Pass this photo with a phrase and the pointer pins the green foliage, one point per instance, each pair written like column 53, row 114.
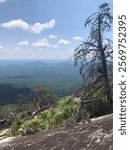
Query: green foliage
column 97, row 104
column 98, row 107
column 16, row 124
column 5, row 110
column 47, row 119
column 22, row 76
column 43, row 97
column 29, row 127
column 67, row 106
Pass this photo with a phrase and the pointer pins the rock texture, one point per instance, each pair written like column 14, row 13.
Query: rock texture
column 98, row 135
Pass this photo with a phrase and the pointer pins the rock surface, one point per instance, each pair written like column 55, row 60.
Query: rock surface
column 98, row 135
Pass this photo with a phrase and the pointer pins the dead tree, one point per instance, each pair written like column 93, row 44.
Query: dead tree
column 94, row 56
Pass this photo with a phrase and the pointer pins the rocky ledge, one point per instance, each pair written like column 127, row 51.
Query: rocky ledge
column 98, row 135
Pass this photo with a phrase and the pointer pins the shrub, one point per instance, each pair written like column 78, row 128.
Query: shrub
column 16, row 124
column 29, row 127
column 46, row 119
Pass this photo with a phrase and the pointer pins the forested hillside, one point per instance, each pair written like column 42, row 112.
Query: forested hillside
column 20, row 77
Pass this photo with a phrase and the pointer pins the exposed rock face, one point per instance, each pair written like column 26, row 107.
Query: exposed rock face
column 97, row 135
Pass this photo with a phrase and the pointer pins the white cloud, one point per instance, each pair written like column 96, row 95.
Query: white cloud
column 55, row 46
column 38, row 28
column 39, row 53
column 23, row 43
column 16, row 24
column 17, row 48
column 63, row 42
column 42, row 43
column 52, row 36
column 3, row 1
column 77, row 38
column 34, row 28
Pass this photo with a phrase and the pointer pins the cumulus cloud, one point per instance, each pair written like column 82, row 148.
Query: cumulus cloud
column 53, row 36
column 3, row 1
column 63, row 42
column 77, row 38
column 33, row 28
column 16, row 24
column 38, row 28
column 55, row 46
column 42, row 43
column 23, row 43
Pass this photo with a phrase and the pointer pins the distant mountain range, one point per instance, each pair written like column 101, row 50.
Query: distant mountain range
column 18, row 76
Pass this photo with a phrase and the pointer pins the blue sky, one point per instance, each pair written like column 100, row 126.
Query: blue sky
column 43, row 29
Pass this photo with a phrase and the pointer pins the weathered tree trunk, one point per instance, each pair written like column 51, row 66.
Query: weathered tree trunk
column 104, row 65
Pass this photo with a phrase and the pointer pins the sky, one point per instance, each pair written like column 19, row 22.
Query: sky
column 43, row 29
